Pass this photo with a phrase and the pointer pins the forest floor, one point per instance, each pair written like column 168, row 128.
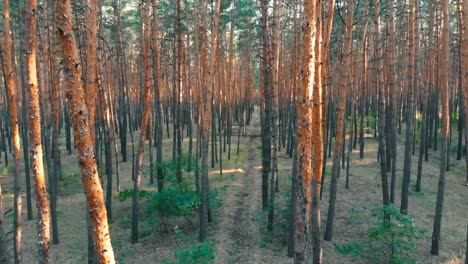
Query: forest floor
column 238, row 228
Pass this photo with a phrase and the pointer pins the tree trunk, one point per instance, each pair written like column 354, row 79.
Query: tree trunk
column 83, row 138
column 409, row 110
column 9, row 74
column 303, row 221
column 381, row 107
column 145, row 9
column 209, row 78
column 444, row 82
column 465, row 79
column 341, row 111
column 266, row 90
column 42, row 200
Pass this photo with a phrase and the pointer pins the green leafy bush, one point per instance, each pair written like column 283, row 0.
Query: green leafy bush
column 353, row 249
column 390, row 238
column 194, row 253
column 174, row 202
column 186, row 162
column 128, row 193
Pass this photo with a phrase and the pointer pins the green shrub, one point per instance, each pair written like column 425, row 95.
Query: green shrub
column 128, row 193
column 390, row 238
column 173, row 202
column 194, row 253
column 353, row 249
column 170, row 166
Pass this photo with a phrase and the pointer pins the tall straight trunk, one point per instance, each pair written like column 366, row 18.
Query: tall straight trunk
column 325, row 46
column 266, row 91
column 178, row 107
column 309, row 127
column 317, row 141
column 83, row 138
column 362, row 107
column 425, row 107
column 105, row 113
column 293, row 128
column 122, row 69
column 465, row 79
column 42, row 200
column 274, row 114
column 145, row 9
column 56, row 108
column 91, row 80
column 444, row 83
column 423, row 143
column 91, row 69
column 209, row 78
column 341, row 111
column 409, row 110
column 24, row 110
column 9, row 74
column 381, row 107
column 157, row 89
column 391, row 113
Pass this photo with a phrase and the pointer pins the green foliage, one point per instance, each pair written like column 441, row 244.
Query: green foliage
column 353, row 249
column 128, row 193
column 390, row 238
column 369, row 122
column 453, row 148
column 280, row 230
column 194, row 253
column 186, row 162
column 176, row 199
column 6, row 170
column 174, row 202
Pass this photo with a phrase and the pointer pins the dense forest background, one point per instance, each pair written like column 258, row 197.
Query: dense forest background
column 233, row 131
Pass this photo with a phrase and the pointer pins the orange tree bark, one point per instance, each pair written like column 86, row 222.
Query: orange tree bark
column 56, row 108
column 9, row 73
column 91, row 80
column 83, row 140
column 157, row 84
column 444, row 84
column 317, row 141
column 146, row 55
column 304, row 136
column 42, row 201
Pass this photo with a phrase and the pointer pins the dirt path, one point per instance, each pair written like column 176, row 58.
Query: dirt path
column 237, row 239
